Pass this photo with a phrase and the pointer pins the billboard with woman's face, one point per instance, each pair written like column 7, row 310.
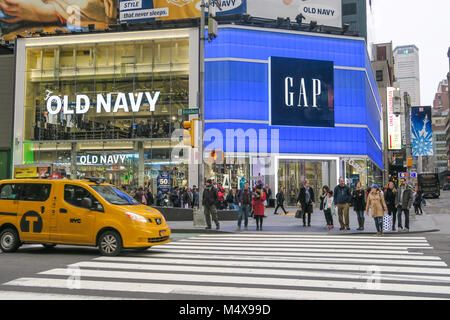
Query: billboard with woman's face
column 25, row 17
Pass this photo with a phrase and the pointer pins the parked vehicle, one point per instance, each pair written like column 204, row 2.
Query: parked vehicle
column 429, row 184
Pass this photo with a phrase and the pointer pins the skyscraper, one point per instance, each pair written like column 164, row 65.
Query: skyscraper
column 407, row 72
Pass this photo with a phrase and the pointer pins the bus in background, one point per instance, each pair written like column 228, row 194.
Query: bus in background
column 429, row 184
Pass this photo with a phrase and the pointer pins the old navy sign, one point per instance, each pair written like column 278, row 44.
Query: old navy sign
column 123, row 102
column 301, row 92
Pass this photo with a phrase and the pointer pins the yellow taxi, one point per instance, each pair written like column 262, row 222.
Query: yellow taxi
column 76, row 212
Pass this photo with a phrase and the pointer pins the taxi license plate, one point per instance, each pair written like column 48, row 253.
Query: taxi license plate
column 163, row 233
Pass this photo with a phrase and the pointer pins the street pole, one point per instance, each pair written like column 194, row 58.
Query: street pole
column 199, row 218
column 407, row 131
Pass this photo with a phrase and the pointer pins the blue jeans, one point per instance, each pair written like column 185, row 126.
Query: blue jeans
column 244, row 211
column 379, row 223
column 233, row 206
column 399, row 216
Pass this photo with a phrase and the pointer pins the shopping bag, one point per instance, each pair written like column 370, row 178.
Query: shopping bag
column 299, row 214
column 387, row 223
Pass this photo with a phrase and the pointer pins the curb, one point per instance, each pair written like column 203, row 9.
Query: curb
column 306, row 233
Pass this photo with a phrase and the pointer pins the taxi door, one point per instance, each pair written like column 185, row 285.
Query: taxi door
column 75, row 224
column 34, row 211
column 9, row 202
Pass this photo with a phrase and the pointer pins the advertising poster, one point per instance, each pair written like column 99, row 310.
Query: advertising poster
column 301, row 92
column 19, row 17
column 150, row 10
column 324, row 12
column 164, row 181
column 421, row 131
column 394, row 123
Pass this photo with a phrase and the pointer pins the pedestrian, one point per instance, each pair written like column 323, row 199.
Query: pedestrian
column 306, row 201
column 342, row 199
column 196, row 196
column 359, row 204
column 293, row 196
column 323, row 196
column 328, row 209
column 186, row 197
column 403, row 201
column 140, row 196
column 268, row 193
column 280, row 201
column 150, row 199
column 221, row 195
column 418, row 201
column 258, row 206
column 231, row 199
column 375, row 202
column 210, row 200
column 389, row 197
column 244, row 200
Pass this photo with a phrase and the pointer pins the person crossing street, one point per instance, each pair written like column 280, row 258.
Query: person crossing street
column 280, row 201
column 342, row 200
column 210, row 200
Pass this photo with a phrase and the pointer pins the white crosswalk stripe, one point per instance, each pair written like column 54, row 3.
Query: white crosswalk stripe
column 262, row 266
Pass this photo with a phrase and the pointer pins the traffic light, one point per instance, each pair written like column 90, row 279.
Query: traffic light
column 409, row 162
column 216, row 156
column 190, row 126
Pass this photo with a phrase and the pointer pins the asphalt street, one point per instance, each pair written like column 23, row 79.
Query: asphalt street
column 251, row 265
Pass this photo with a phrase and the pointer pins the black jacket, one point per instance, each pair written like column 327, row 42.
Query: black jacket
column 389, row 198
column 280, row 198
column 210, row 197
column 302, row 197
column 359, row 200
column 342, row 195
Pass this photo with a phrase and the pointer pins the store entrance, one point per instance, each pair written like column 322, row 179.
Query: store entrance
column 292, row 174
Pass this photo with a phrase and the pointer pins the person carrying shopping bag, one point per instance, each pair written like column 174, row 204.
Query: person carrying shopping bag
column 376, row 203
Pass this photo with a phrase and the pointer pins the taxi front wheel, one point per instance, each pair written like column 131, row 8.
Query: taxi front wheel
column 9, row 240
column 110, row 243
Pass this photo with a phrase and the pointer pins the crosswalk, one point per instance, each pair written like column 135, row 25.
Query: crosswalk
column 258, row 266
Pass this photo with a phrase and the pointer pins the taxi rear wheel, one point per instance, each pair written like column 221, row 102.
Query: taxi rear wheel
column 110, row 243
column 9, row 240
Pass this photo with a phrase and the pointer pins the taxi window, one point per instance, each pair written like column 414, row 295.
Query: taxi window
column 36, row 192
column 9, row 192
column 75, row 194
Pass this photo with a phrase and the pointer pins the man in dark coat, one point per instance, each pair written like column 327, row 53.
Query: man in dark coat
column 306, row 201
column 210, row 200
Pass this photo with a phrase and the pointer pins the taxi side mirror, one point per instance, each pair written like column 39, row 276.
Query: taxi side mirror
column 86, row 203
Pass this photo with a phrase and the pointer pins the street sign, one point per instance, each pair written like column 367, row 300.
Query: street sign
column 187, row 112
column 413, row 174
column 403, row 174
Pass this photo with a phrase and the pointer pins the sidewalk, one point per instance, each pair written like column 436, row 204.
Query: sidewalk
column 289, row 224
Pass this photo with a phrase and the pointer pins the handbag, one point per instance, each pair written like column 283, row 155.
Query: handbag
column 300, row 213
column 387, row 222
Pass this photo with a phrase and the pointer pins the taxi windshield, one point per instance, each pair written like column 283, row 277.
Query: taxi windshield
column 115, row 196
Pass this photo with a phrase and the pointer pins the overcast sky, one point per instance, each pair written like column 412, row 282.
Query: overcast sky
column 423, row 23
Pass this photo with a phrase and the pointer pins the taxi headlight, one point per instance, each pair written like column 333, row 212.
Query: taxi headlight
column 135, row 217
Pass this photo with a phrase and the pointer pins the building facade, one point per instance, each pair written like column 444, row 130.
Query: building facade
column 6, row 109
column 358, row 15
column 112, row 104
column 407, row 71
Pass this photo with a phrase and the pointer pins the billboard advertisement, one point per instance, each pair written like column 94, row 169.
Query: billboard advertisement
column 325, row 12
column 394, row 123
column 150, row 10
column 19, row 17
column 230, row 7
column 301, row 92
column 421, row 131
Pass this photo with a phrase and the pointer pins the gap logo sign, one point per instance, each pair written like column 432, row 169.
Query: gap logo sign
column 301, row 92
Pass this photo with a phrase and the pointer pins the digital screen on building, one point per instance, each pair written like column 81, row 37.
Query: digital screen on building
column 421, row 131
column 301, row 92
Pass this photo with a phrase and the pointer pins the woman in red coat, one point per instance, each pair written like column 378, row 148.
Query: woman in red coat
column 258, row 206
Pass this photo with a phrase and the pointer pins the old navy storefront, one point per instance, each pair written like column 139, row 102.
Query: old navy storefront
column 105, row 104
column 284, row 106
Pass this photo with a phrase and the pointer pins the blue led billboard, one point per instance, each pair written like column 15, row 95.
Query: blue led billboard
column 301, row 92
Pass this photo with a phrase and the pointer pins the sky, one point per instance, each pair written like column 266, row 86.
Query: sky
column 423, row 23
